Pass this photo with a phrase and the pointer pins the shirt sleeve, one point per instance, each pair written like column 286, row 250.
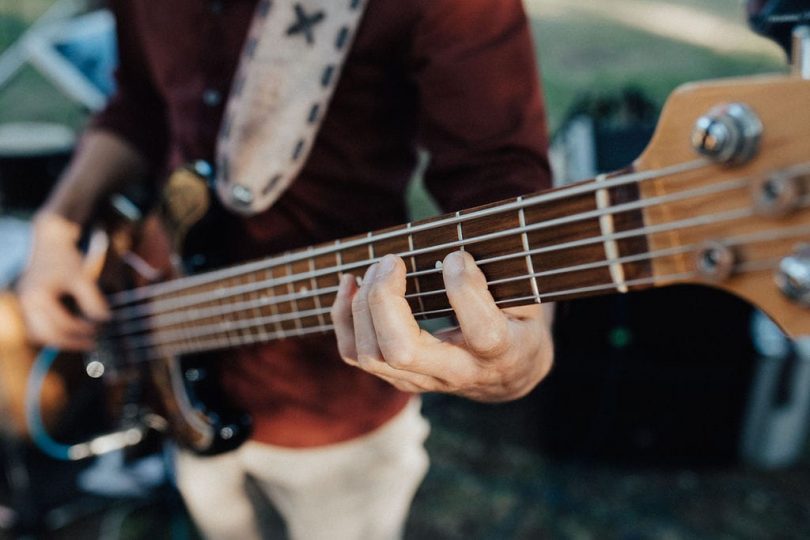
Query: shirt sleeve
column 481, row 114
column 136, row 112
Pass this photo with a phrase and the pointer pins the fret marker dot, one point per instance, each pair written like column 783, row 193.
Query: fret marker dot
column 358, row 280
column 438, row 265
column 302, row 290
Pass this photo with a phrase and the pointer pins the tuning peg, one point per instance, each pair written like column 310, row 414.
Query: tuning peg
column 728, row 134
column 793, row 275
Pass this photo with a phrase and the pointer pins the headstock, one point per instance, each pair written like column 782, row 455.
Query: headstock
column 749, row 143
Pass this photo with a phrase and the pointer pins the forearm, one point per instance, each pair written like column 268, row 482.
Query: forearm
column 102, row 163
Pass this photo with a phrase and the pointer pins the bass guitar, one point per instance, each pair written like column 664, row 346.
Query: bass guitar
column 721, row 197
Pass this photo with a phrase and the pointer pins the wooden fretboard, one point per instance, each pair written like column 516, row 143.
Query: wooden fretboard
column 538, row 248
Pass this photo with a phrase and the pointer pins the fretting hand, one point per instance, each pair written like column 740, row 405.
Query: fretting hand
column 495, row 354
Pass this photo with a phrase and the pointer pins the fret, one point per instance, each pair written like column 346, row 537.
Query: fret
column 306, row 298
column 257, row 313
column 292, row 292
column 183, row 328
column 501, row 234
column 314, row 281
column 508, row 278
column 285, row 306
column 433, row 281
column 218, row 301
column 355, row 255
column 338, row 259
column 327, row 280
column 584, row 229
column 527, row 248
column 270, row 295
column 416, row 286
column 233, row 319
column 459, row 232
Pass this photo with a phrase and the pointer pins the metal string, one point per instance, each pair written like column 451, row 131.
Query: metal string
column 169, row 337
column 174, row 316
column 178, row 317
column 223, row 340
column 171, row 304
column 150, row 291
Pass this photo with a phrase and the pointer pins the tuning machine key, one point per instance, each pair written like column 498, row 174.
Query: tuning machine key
column 715, row 261
column 793, row 275
column 728, row 134
column 778, row 194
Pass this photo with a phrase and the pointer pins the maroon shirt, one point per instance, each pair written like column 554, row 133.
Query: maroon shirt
column 456, row 77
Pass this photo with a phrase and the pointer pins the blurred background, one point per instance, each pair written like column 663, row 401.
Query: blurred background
column 673, row 414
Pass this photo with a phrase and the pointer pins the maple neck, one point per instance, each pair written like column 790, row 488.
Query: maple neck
column 561, row 244
column 735, row 223
column 612, row 234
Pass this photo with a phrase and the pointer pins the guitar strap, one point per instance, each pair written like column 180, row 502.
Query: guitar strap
column 288, row 71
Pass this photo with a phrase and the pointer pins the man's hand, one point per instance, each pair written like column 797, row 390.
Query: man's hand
column 495, row 355
column 55, row 272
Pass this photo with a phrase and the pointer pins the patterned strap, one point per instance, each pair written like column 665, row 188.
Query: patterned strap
column 289, row 69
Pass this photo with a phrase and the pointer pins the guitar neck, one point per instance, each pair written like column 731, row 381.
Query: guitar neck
column 735, row 224
column 556, row 245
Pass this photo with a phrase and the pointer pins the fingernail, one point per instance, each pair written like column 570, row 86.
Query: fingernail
column 454, row 263
column 370, row 273
column 387, row 265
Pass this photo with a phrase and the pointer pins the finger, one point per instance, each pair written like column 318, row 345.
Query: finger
column 91, row 302
column 46, row 307
column 365, row 338
column 341, row 313
column 406, row 386
column 42, row 332
column 404, row 380
column 399, row 337
column 484, row 326
column 49, row 323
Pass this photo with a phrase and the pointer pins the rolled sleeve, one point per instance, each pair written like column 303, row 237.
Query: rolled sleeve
column 481, row 112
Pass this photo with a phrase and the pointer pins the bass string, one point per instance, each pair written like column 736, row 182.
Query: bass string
column 150, row 291
column 158, row 332
column 163, row 338
column 185, row 317
column 167, row 305
column 180, row 317
column 224, row 341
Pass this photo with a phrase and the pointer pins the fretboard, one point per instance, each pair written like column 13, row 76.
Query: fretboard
column 556, row 245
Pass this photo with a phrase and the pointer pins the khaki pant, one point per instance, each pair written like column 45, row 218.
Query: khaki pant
column 355, row 490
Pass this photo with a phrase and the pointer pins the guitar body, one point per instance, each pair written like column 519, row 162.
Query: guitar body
column 16, row 359
column 176, row 395
column 180, row 393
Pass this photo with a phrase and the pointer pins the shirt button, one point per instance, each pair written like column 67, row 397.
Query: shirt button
column 216, row 7
column 212, row 97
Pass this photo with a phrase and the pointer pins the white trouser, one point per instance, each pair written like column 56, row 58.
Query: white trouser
column 355, row 490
